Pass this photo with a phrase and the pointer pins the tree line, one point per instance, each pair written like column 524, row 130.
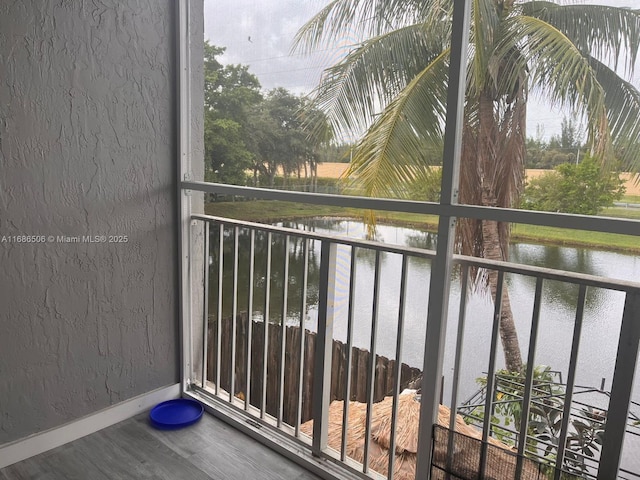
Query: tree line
column 252, row 136
column 566, row 147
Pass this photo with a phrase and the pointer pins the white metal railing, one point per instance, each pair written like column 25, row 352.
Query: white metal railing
column 338, row 255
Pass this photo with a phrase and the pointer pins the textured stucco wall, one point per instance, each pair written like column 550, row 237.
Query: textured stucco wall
column 87, row 148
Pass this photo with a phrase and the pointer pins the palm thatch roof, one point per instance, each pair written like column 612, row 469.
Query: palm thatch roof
column 501, row 459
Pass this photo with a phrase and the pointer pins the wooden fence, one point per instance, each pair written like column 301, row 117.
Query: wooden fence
column 358, row 381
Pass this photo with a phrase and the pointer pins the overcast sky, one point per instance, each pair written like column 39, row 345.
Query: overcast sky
column 260, row 34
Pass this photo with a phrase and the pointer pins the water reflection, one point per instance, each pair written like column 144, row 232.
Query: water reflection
column 426, row 240
column 295, row 255
column 577, row 260
column 561, row 258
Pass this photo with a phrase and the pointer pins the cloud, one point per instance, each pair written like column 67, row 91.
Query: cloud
column 260, row 34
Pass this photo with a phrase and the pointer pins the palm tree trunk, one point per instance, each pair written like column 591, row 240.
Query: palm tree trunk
column 508, row 332
column 491, row 231
column 314, row 176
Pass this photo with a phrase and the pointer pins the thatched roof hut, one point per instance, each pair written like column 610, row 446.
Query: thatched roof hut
column 501, row 459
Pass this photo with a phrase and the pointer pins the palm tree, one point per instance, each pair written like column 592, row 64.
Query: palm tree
column 392, row 86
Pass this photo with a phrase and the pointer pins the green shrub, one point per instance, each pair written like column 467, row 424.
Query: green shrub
column 584, row 189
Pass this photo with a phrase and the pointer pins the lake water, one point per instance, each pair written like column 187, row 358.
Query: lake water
column 601, row 326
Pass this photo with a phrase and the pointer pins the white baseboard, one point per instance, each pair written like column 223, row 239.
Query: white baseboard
column 41, row 442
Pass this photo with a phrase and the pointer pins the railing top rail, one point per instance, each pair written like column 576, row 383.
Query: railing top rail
column 560, row 220
column 507, row 267
column 550, row 273
column 353, row 242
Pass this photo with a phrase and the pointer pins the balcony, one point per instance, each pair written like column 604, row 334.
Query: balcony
column 89, row 135
column 260, row 369
column 281, row 388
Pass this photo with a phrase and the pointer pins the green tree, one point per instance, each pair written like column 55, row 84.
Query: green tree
column 280, row 138
column 275, row 132
column 426, row 185
column 392, row 85
column 569, row 136
column 318, row 144
column 225, row 150
column 571, row 188
column 562, row 148
column 230, row 93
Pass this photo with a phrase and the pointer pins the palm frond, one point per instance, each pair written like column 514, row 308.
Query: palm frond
column 510, row 171
column 393, row 148
column 364, row 82
column 610, row 34
column 623, row 108
column 360, row 19
column 484, row 30
column 561, row 72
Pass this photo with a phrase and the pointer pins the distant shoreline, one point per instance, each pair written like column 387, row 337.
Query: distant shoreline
column 269, row 211
column 336, row 170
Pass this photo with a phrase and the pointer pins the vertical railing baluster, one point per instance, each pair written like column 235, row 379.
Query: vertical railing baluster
column 283, row 329
column 571, row 378
column 234, row 319
column 528, row 383
column 205, row 308
column 265, row 337
column 252, row 254
column 301, row 345
column 371, row 374
column 621, row 388
column 457, row 364
column 397, row 380
column 349, row 366
column 324, row 346
column 219, row 312
column 488, row 406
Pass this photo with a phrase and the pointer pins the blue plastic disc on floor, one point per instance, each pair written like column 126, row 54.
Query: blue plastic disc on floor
column 174, row 414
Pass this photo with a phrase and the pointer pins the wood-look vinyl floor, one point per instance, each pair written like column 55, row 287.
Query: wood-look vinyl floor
column 209, row 450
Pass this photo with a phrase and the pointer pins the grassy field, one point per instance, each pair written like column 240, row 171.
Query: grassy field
column 575, row 238
column 272, row 211
column 336, row 170
column 621, row 212
column 631, row 199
